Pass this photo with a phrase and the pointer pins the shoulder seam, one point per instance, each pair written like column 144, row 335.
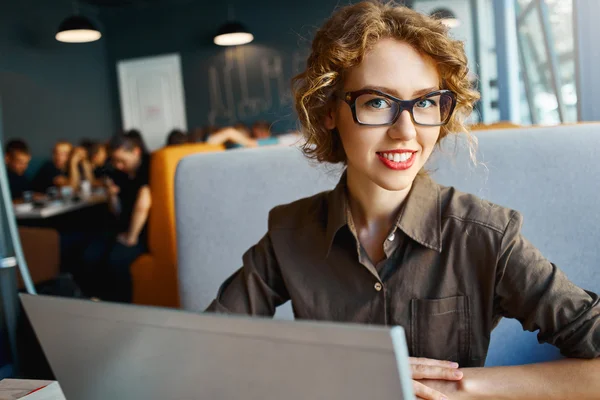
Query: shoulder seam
column 474, row 221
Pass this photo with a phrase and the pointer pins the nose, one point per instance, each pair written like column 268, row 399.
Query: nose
column 404, row 128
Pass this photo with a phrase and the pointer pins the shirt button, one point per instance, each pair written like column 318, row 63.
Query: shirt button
column 378, row 287
column 391, row 237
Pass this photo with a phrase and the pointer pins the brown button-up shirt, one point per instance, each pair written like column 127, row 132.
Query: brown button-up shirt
column 455, row 265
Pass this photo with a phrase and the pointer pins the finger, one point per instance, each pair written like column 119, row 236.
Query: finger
column 427, row 393
column 420, row 371
column 429, row 361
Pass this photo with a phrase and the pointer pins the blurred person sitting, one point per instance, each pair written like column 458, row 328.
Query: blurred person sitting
column 55, row 172
column 177, row 137
column 130, row 199
column 17, row 158
column 79, row 167
column 261, row 130
column 97, row 157
column 139, row 139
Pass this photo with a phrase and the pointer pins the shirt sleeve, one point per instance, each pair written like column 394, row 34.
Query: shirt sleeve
column 539, row 295
column 255, row 289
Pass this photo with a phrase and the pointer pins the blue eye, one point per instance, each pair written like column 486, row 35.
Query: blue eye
column 378, row 103
column 426, row 103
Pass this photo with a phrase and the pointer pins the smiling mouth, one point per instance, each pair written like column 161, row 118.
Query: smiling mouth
column 398, row 157
column 397, row 160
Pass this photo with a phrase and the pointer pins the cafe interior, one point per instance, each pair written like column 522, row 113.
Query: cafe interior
column 184, row 111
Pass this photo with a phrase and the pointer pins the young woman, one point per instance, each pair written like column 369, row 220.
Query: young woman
column 383, row 85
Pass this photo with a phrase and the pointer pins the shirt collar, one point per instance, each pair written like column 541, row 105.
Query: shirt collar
column 420, row 218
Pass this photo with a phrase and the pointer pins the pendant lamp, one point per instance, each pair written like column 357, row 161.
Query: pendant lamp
column 77, row 29
column 232, row 33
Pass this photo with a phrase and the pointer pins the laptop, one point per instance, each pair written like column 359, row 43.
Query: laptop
column 102, row 351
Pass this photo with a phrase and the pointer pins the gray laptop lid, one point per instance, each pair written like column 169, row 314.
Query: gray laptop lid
column 114, row 351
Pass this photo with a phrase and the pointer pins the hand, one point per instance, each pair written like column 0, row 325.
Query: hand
column 126, row 240
column 433, row 370
column 60, row 181
column 111, row 188
column 86, row 164
column 79, row 154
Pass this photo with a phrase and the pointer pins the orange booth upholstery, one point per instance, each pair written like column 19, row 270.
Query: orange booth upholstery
column 154, row 274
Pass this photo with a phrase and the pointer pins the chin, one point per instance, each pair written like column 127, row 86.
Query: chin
column 395, row 183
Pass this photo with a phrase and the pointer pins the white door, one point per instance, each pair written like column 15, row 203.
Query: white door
column 152, row 99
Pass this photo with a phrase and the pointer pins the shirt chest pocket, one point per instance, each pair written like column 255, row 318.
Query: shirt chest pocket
column 441, row 329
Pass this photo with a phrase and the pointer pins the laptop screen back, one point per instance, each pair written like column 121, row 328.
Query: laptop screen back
column 113, row 351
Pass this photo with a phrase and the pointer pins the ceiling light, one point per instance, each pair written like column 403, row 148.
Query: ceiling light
column 77, row 29
column 233, row 33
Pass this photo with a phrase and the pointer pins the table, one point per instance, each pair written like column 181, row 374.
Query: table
column 59, row 207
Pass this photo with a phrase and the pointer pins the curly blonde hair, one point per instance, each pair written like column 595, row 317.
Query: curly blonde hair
column 343, row 41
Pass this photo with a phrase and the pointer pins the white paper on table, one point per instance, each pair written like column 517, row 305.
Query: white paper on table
column 50, row 392
column 13, row 389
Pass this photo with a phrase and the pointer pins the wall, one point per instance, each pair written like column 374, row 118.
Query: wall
column 51, row 90
column 224, row 85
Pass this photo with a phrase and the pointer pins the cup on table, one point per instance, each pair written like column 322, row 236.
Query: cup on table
column 28, row 196
column 85, row 189
column 66, row 192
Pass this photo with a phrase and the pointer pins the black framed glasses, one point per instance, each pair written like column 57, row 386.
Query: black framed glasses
column 374, row 108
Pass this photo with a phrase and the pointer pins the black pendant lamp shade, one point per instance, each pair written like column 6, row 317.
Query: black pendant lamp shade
column 233, row 33
column 77, row 29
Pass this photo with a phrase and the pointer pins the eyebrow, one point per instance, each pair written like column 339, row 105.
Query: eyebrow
column 395, row 93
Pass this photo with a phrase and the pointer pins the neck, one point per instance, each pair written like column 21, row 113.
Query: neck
column 373, row 208
column 133, row 173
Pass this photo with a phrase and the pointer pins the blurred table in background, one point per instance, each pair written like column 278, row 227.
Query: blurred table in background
column 79, row 214
column 53, row 208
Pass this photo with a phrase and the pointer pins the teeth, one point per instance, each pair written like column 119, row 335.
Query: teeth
column 398, row 157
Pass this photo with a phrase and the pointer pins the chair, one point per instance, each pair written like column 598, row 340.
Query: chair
column 222, row 213
column 155, row 274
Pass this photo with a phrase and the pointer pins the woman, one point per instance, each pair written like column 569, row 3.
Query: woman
column 97, row 156
column 383, row 85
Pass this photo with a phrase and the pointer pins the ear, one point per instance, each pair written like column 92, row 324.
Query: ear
column 6, row 158
column 330, row 117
